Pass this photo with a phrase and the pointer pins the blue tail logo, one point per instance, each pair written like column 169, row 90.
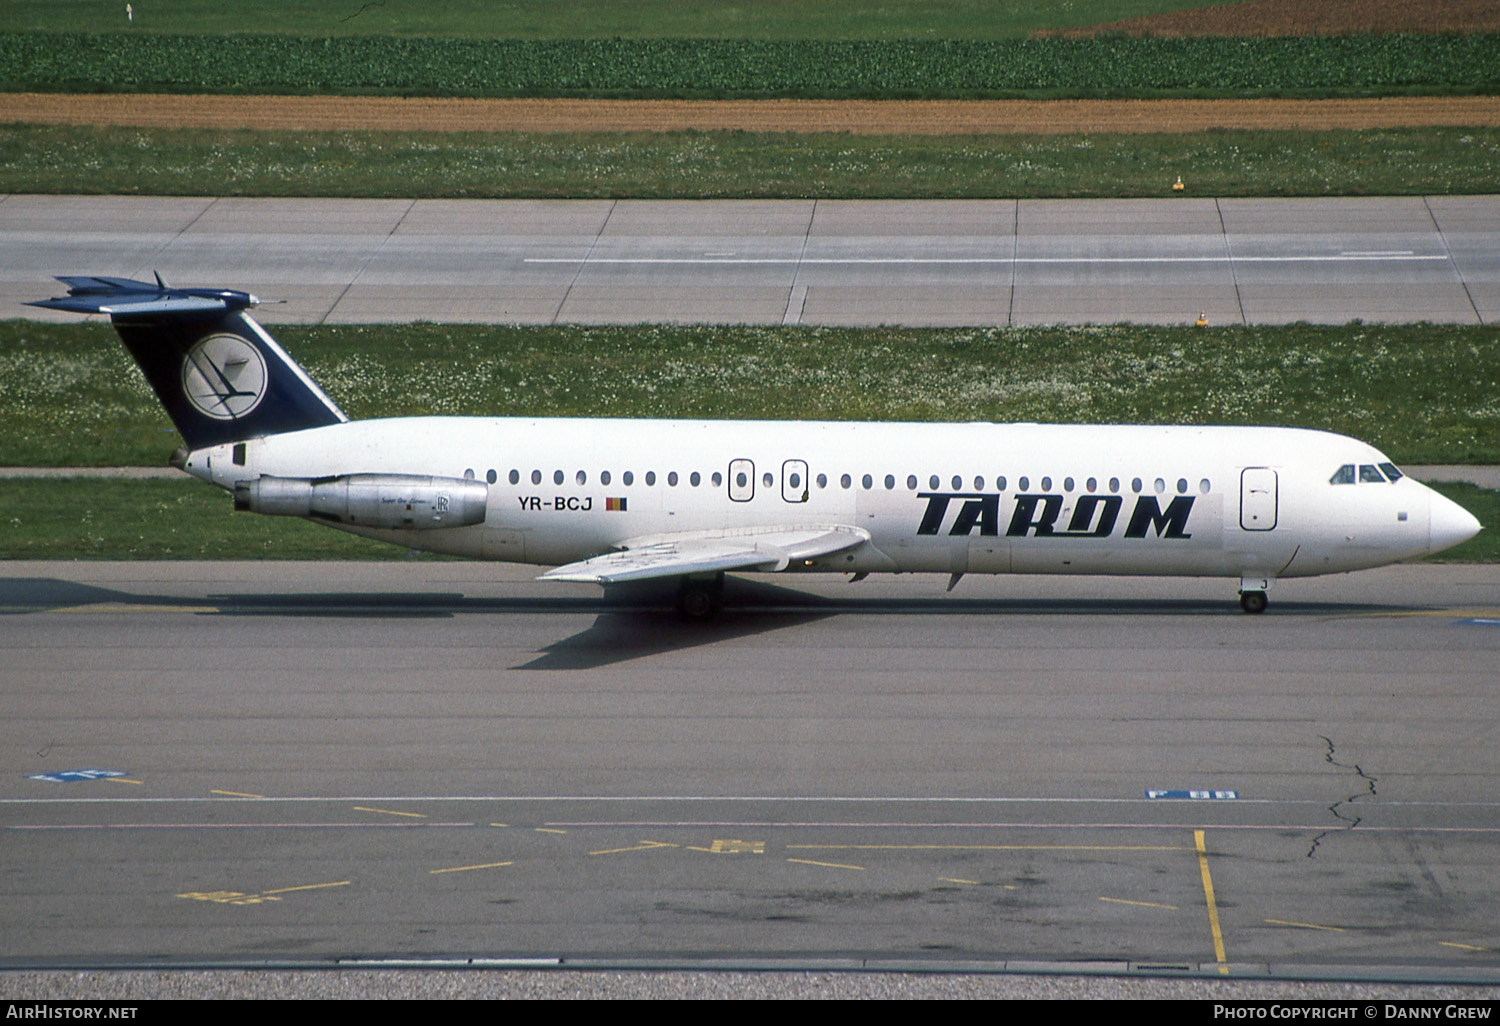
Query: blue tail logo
column 219, row 375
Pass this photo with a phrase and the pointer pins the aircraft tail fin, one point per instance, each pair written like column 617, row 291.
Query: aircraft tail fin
column 217, row 372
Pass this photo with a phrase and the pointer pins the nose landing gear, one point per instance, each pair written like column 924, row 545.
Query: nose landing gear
column 1253, row 593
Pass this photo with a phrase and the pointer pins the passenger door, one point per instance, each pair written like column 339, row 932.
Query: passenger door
column 1258, row 499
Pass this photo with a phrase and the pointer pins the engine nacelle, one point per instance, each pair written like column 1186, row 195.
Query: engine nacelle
column 368, row 500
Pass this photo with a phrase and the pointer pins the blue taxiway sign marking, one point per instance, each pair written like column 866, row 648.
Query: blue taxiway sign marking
column 69, row 776
column 1192, row 795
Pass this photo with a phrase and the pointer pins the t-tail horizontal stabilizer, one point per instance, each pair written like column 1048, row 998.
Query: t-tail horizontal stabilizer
column 124, row 296
column 219, row 375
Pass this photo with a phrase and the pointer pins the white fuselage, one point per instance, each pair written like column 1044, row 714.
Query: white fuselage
column 949, row 498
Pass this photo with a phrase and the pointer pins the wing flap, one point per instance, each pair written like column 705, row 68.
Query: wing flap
column 700, row 552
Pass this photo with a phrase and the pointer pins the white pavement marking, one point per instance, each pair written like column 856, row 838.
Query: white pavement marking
column 1341, row 258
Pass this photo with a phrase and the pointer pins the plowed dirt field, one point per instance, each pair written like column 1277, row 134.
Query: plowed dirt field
column 889, row 117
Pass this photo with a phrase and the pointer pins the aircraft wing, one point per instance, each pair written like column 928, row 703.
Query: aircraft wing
column 703, row 552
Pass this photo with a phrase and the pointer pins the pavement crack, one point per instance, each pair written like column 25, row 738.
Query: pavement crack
column 1343, row 808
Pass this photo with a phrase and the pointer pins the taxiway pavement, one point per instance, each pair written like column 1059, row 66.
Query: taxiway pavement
column 823, row 262
column 427, row 759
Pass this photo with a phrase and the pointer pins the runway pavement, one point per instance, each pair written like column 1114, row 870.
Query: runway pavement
column 999, row 262
column 436, row 759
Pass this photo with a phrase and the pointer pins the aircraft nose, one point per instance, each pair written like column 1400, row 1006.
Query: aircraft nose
column 1448, row 524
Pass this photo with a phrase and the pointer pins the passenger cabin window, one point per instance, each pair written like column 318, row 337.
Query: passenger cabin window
column 604, row 477
column 1369, row 475
column 1344, row 475
column 628, row 477
column 515, row 477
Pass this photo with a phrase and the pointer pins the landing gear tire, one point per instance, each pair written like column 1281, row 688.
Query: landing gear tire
column 1253, row 601
column 699, row 601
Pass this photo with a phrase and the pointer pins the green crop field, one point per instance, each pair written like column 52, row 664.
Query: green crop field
column 662, row 68
column 1423, row 393
column 694, row 165
column 584, row 19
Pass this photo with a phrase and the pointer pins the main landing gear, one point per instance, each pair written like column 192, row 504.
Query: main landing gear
column 700, row 599
column 1253, row 593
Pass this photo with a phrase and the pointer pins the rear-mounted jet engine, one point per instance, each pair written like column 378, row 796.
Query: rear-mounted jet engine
column 368, row 500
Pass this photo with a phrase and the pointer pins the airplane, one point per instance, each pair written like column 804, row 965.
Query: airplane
column 610, row 501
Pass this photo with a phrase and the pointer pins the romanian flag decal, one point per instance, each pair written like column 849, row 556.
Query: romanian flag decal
column 615, row 505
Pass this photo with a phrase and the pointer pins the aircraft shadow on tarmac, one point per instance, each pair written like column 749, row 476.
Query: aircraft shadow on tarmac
column 632, row 621
column 742, row 598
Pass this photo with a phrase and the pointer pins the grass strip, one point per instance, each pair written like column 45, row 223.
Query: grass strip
column 1422, row 393
column 91, row 518
column 693, row 165
column 1111, row 66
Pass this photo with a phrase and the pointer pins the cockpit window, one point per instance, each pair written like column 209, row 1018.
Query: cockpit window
column 1369, row 475
column 1391, row 472
column 1344, row 475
